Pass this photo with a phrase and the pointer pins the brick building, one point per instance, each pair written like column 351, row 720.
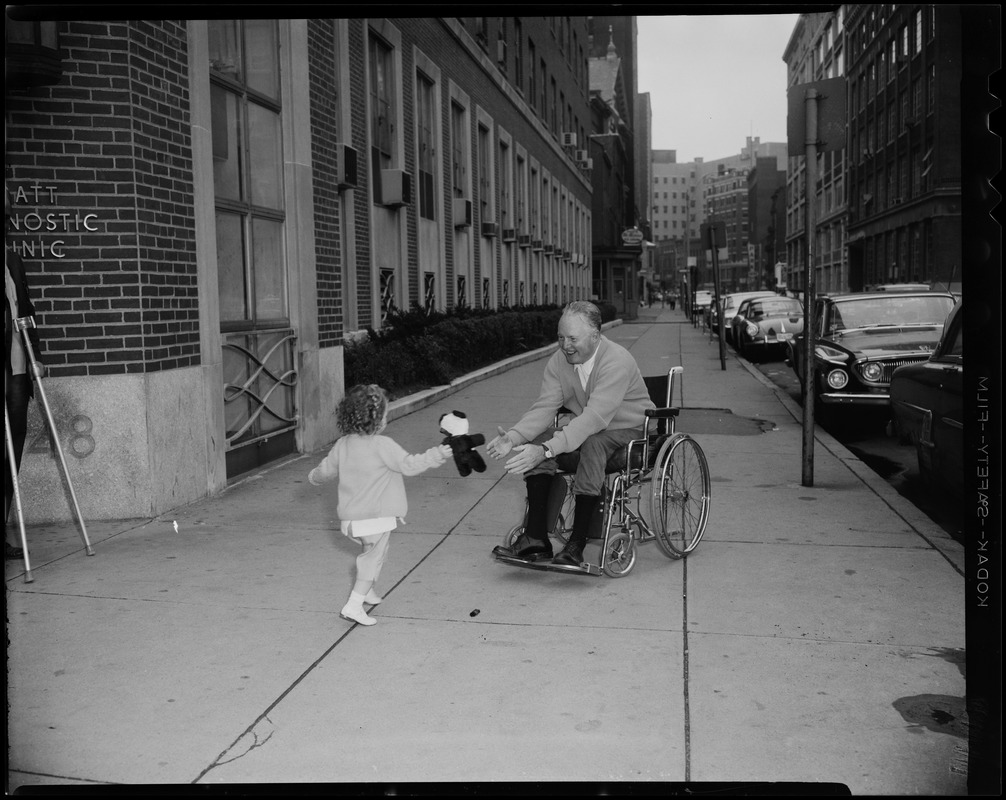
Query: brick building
column 208, row 208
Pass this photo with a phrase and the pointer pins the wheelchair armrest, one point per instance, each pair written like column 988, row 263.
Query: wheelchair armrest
column 662, row 413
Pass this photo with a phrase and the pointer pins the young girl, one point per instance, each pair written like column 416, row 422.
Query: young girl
column 369, row 468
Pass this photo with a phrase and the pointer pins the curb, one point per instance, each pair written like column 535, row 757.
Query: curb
column 931, row 533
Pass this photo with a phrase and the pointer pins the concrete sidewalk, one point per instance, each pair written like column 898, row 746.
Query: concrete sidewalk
column 815, row 635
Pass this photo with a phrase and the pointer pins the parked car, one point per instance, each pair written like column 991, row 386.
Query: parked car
column 861, row 338
column 927, row 408
column 703, row 299
column 765, row 326
column 727, row 310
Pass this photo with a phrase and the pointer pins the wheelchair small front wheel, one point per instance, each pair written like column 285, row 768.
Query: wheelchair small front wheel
column 619, row 554
column 679, row 498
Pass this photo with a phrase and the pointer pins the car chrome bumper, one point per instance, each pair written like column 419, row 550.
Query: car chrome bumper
column 845, row 398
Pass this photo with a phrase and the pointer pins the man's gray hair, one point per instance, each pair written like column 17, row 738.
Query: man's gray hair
column 587, row 310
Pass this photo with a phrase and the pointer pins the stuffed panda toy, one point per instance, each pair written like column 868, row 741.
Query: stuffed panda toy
column 454, row 425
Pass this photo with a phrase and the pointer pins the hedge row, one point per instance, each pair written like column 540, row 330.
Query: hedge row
column 417, row 350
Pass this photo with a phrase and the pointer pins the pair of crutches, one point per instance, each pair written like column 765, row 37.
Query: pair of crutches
column 22, row 324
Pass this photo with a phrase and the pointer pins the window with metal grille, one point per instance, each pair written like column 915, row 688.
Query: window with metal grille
column 462, row 294
column 485, row 293
column 506, row 293
column 426, row 144
column 429, row 291
column 387, row 293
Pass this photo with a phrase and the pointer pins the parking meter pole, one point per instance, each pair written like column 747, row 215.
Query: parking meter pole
column 809, row 293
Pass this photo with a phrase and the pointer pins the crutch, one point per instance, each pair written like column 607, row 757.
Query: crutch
column 22, row 324
column 12, row 464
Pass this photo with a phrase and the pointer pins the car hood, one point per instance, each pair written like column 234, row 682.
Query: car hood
column 874, row 342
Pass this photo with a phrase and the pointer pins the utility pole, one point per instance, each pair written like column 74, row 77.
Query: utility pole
column 807, row 474
column 816, row 123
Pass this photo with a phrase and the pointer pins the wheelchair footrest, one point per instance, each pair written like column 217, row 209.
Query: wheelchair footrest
column 547, row 566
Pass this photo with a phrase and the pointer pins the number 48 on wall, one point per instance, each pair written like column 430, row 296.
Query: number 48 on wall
column 77, row 431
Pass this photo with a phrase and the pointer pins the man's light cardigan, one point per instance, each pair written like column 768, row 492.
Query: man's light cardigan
column 616, row 398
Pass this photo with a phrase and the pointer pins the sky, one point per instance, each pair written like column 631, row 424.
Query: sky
column 714, row 80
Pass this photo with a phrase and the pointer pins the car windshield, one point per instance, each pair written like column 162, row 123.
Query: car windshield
column 894, row 310
column 774, row 307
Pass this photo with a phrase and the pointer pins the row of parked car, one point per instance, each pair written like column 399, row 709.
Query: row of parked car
column 893, row 354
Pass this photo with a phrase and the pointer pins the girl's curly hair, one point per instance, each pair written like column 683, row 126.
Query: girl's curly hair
column 362, row 409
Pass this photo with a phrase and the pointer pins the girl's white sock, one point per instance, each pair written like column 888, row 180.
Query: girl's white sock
column 373, row 598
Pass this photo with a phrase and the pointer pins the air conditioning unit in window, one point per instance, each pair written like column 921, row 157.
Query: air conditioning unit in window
column 536, row 245
column 489, row 229
column 587, row 164
column 548, row 249
column 581, row 156
column 396, row 188
column 568, row 139
column 509, row 234
column 462, row 212
column 524, row 240
column 346, row 159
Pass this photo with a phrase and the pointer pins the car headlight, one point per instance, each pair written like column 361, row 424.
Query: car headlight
column 872, row 371
column 838, row 378
column 751, row 330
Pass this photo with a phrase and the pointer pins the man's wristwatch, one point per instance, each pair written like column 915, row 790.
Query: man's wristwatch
column 548, row 451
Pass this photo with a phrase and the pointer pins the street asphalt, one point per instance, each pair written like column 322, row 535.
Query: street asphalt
column 814, row 638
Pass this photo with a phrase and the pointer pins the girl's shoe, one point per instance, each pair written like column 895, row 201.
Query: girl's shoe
column 357, row 615
column 373, row 598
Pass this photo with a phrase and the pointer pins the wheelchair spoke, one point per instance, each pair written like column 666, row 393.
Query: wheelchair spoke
column 680, row 495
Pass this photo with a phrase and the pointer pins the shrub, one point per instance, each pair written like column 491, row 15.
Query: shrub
column 416, row 349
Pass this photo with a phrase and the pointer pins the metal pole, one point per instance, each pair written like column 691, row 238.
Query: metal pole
column 716, row 294
column 12, row 464
column 809, row 293
column 22, row 324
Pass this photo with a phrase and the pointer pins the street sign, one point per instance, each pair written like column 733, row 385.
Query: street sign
column 632, row 237
column 832, row 116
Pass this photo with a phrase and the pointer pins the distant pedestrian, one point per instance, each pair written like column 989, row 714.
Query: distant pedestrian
column 369, row 468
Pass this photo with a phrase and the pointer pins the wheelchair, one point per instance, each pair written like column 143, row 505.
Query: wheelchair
column 664, row 474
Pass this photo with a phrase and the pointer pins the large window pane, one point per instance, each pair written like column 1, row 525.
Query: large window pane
column 225, row 57
column 262, row 67
column 267, row 260
column 226, row 144
column 230, row 268
column 265, row 157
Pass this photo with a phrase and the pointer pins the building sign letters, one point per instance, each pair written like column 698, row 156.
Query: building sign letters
column 40, row 221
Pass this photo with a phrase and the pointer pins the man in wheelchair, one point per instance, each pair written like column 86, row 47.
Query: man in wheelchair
column 599, row 382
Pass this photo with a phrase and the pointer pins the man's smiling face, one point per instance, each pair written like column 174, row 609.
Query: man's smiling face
column 577, row 338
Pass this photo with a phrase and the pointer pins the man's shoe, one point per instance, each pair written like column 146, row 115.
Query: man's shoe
column 526, row 548
column 571, row 555
column 10, row 552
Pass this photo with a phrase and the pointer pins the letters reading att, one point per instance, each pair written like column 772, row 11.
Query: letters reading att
column 41, row 221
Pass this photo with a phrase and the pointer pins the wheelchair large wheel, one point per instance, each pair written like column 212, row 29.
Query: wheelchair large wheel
column 619, row 554
column 679, row 500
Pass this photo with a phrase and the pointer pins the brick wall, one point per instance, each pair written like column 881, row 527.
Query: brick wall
column 324, row 136
column 108, row 234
